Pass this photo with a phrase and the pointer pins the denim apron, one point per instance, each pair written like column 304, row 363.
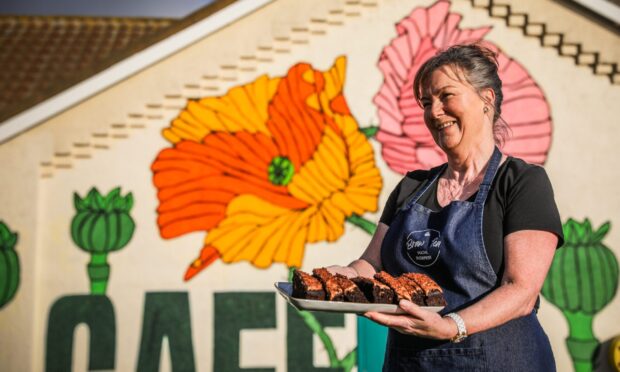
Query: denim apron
column 448, row 246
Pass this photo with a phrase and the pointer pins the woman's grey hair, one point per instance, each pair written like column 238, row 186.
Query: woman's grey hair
column 478, row 65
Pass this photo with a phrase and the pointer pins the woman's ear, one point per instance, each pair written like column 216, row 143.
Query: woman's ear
column 488, row 96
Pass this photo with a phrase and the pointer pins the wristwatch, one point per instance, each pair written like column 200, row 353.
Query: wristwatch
column 461, row 332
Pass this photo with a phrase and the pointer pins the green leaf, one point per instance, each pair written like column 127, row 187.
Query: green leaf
column 8, row 239
column 128, row 202
column 587, row 231
column 77, row 202
column 574, row 232
column 10, row 244
column 113, row 194
column 567, row 231
column 118, row 204
column 291, row 271
column 99, row 202
column 601, row 232
column 359, row 221
column 369, row 132
column 4, row 232
column 349, row 361
column 581, row 231
column 89, row 200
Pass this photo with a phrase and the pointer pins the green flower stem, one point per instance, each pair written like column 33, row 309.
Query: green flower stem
column 349, row 361
column 316, row 327
column 98, row 272
column 581, row 342
column 362, row 223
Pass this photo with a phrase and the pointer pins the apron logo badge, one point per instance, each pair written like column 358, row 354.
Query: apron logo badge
column 423, row 247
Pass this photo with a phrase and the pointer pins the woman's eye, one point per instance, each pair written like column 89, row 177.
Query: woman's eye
column 446, row 95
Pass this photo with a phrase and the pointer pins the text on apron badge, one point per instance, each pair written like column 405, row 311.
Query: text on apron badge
column 423, row 246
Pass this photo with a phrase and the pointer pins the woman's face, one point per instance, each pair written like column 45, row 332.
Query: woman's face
column 454, row 111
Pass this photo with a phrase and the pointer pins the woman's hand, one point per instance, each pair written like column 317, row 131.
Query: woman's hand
column 417, row 322
column 347, row 271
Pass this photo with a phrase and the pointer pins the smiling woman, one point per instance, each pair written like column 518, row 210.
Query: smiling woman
column 495, row 228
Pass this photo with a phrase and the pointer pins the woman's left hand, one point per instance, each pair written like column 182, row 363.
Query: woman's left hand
column 417, row 322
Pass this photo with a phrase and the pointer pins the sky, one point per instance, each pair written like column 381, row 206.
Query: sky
column 104, row 8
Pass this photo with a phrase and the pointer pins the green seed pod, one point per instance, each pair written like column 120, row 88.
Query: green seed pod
column 102, row 224
column 9, row 265
column 584, row 274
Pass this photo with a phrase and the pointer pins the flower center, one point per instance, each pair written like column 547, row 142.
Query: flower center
column 280, row 171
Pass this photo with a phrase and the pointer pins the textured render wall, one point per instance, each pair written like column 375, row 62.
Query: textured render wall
column 118, row 137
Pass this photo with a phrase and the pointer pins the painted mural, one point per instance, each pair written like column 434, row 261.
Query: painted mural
column 407, row 144
column 9, row 265
column 268, row 172
column 265, row 146
column 101, row 225
column 582, row 280
column 265, row 169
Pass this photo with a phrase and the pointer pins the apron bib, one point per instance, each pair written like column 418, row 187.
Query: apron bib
column 448, row 246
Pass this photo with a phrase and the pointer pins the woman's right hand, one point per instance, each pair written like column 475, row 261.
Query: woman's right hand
column 369, row 263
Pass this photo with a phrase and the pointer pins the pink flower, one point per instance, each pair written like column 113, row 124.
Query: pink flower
column 406, row 142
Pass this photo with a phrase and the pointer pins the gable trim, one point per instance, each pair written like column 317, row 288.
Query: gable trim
column 125, row 68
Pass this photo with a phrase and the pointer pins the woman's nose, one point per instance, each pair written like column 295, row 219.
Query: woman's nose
column 436, row 109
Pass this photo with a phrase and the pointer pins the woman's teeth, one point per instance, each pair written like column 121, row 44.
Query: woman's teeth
column 445, row 125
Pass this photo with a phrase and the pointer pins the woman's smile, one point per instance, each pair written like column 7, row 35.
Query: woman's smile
column 445, row 125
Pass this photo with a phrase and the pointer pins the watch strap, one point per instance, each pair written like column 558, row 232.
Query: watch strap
column 461, row 333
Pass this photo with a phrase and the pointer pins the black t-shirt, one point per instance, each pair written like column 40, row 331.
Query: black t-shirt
column 520, row 198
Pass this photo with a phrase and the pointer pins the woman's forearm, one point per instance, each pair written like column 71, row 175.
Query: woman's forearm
column 509, row 301
column 521, row 283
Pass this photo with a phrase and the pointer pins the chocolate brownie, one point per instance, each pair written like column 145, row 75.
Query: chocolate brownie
column 375, row 291
column 333, row 291
column 306, row 286
column 417, row 293
column 401, row 290
column 432, row 291
column 351, row 292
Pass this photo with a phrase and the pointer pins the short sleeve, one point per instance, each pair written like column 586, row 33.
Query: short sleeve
column 530, row 204
column 391, row 206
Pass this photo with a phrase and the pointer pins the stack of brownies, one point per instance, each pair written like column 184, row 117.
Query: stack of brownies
column 382, row 289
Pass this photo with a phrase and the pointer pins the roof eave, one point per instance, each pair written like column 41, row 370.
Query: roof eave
column 119, row 71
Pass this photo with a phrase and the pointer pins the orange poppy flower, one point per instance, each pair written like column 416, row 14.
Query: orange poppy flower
column 265, row 169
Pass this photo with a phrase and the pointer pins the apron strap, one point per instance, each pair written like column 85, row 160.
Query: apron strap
column 429, row 183
column 489, row 175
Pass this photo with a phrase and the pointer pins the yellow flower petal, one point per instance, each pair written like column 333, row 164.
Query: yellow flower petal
column 260, row 232
column 333, row 169
column 242, row 108
column 334, row 78
column 264, row 242
column 290, row 248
